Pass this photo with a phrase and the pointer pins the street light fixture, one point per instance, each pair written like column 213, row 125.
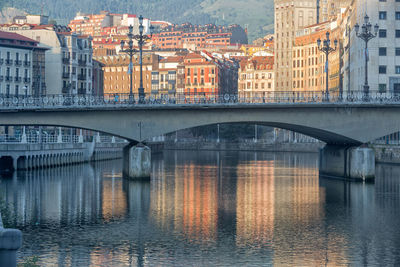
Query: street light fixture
column 366, row 34
column 141, row 39
column 325, row 47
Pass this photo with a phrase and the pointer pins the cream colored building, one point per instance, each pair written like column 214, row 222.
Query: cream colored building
column 290, row 16
column 256, row 77
column 309, row 62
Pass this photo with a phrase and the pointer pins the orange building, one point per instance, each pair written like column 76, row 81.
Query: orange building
column 197, row 37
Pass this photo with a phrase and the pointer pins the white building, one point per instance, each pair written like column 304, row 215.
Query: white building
column 69, row 65
column 20, row 60
column 383, row 51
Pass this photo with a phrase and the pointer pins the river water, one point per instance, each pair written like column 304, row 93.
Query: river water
column 206, row 209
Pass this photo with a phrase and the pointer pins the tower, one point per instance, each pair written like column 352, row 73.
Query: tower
column 290, row 16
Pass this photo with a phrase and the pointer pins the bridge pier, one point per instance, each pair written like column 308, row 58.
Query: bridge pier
column 355, row 163
column 137, row 162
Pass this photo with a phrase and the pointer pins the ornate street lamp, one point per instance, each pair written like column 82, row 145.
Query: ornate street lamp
column 130, row 51
column 326, row 49
column 141, row 39
column 366, row 34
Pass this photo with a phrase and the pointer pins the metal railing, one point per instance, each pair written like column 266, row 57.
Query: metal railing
column 53, row 139
column 111, row 100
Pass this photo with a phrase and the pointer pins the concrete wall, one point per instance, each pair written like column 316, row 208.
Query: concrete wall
column 347, row 162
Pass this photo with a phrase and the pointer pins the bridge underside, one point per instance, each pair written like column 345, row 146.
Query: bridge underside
column 332, row 123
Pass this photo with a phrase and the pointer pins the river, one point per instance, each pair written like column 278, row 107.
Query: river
column 206, row 209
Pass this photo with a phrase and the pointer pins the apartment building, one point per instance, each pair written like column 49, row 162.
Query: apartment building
column 169, row 78
column 309, row 63
column 207, row 75
column 197, row 37
column 69, row 65
column 117, row 75
column 383, row 52
column 22, row 69
column 256, row 76
column 290, row 16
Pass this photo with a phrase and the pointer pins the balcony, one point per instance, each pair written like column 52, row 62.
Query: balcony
column 82, row 77
column 81, row 91
column 9, row 61
column 18, row 62
column 27, row 63
column 1, row 61
column 1, row 78
column 66, row 75
column 65, row 90
column 9, row 78
column 66, row 60
column 82, row 62
column 27, row 80
column 17, row 79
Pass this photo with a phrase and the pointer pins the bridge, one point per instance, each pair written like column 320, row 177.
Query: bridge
column 342, row 121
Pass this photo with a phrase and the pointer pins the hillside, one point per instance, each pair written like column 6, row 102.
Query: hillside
column 256, row 14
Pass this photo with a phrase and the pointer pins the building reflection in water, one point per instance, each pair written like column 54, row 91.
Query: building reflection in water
column 206, row 208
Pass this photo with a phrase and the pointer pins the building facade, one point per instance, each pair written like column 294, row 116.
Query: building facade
column 22, row 68
column 69, row 65
column 290, row 16
column 383, row 52
column 256, row 77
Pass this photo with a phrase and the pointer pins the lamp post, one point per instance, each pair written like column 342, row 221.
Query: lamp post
column 141, row 39
column 366, row 34
column 326, row 49
column 130, row 51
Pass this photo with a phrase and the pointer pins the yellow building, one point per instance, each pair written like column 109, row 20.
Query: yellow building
column 309, row 63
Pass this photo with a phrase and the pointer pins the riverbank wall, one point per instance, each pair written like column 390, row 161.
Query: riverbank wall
column 387, row 154
column 245, row 146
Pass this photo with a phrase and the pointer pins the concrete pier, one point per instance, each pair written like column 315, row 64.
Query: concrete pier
column 10, row 242
column 137, row 162
column 356, row 163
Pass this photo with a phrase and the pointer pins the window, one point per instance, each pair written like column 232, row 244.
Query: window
column 382, row 33
column 397, row 15
column 397, row 69
column 382, row 87
column 397, row 33
column 382, row 51
column 382, row 69
column 397, row 51
column 382, row 15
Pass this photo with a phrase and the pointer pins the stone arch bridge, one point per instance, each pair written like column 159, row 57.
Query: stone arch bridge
column 340, row 125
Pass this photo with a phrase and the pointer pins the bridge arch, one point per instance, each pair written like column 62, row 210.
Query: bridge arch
column 344, row 124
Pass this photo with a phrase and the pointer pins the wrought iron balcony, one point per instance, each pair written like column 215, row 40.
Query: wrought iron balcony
column 1, row 61
column 18, row 62
column 27, row 80
column 82, row 77
column 66, row 75
column 9, row 78
column 17, row 79
column 1, row 78
column 9, row 61
column 66, row 60
column 27, row 63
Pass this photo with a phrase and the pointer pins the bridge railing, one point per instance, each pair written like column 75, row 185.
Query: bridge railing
column 53, row 139
column 72, row 101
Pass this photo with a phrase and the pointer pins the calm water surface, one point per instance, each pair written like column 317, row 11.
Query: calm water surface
column 207, row 209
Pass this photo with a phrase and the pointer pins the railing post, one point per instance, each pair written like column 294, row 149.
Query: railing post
column 23, row 138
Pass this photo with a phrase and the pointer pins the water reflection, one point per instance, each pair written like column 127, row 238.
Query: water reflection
column 206, row 208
